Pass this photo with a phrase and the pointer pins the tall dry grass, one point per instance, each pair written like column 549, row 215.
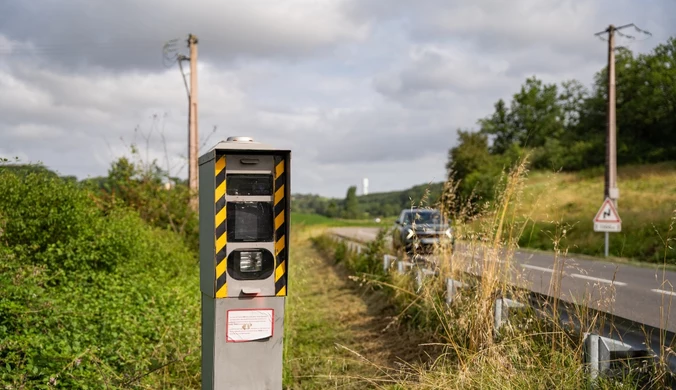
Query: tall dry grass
column 533, row 349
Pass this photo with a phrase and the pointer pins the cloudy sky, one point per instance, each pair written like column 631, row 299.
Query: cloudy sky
column 356, row 88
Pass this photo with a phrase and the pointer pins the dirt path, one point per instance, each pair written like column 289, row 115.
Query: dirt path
column 336, row 334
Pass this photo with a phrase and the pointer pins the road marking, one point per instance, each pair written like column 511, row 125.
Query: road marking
column 616, row 283
column 657, row 290
column 537, row 268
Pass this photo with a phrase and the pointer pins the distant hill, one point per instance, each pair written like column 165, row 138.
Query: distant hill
column 382, row 204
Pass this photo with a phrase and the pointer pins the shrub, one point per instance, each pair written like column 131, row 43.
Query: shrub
column 91, row 296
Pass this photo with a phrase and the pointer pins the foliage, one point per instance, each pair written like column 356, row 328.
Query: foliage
column 351, row 204
column 25, row 169
column 91, row 297
column 563, row 127
column 161, row 200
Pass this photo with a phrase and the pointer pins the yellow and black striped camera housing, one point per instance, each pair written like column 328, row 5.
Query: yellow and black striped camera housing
column 244, row 219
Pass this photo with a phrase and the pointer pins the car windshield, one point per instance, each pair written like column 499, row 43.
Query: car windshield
column 424, row 217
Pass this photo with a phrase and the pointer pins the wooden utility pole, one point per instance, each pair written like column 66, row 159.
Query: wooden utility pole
column 611, row 136
column 610, row 190
column 193, row 126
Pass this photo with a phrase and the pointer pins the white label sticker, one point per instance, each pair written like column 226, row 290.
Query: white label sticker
column 249, row 324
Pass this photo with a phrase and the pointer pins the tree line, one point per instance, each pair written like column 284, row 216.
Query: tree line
column 563, row 127
column 382, row 204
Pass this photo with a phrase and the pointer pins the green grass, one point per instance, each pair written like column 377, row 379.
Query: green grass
column 323, row 316
column 320, row 220
column 647, row 205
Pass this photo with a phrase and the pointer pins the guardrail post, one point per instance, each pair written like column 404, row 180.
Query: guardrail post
column 420, row 276
column 497, row 314
column 403, row 265
column 600, row 351
column 452, row 287
column 591, row 354
column 387, row 262
column 501, row 308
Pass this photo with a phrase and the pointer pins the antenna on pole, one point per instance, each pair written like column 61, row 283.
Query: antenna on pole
column 171, row 55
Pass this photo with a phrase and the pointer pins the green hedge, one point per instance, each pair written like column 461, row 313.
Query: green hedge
column 91, row 297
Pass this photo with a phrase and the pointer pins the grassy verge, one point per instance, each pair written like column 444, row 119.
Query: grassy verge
column 528, row 351
column 569, row 201
column 336, row 337
column 312, row 358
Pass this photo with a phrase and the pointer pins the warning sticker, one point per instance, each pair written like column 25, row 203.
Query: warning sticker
column 249, row 324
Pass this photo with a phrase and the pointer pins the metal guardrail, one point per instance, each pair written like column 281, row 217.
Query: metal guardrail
column 618, row 338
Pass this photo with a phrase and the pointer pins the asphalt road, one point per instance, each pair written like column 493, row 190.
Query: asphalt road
column 640, row 294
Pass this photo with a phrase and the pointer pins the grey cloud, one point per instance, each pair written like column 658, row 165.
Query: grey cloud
column 437, row 68
column 334, row 179
column 129, row 34
column 385, row 134
column 502, row 27
column 386, row 105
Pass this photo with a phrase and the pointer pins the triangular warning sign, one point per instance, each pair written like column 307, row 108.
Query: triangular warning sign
column 607, row 213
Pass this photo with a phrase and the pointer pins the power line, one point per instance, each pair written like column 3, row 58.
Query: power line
column 617, row 30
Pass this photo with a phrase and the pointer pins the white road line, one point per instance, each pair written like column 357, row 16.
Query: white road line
column 657, row 290
column 616, row 283
column 537, row 268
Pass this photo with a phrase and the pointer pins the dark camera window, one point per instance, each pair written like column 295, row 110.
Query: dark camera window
column 252, row 185
column 241, row 267
column 249, row 221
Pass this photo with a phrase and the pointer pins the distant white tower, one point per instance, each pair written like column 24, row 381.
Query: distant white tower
column 365, row 186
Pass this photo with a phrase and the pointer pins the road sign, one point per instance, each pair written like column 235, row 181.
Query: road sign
column 607, row 219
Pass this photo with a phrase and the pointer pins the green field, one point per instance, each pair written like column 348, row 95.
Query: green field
column 315, row 219
column 558, row 201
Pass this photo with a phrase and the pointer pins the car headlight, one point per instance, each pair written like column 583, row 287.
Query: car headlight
column 410, row 234
column 449, row 233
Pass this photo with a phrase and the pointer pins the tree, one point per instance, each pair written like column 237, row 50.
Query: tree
column 497, row 126
column 351, row 203
column 535, row 114
column 470, row 154
column 474, row 166
column 332, row 210
column 572, row 101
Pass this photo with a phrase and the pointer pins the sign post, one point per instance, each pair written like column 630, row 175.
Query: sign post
column 607, row 220
column 244, row 241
